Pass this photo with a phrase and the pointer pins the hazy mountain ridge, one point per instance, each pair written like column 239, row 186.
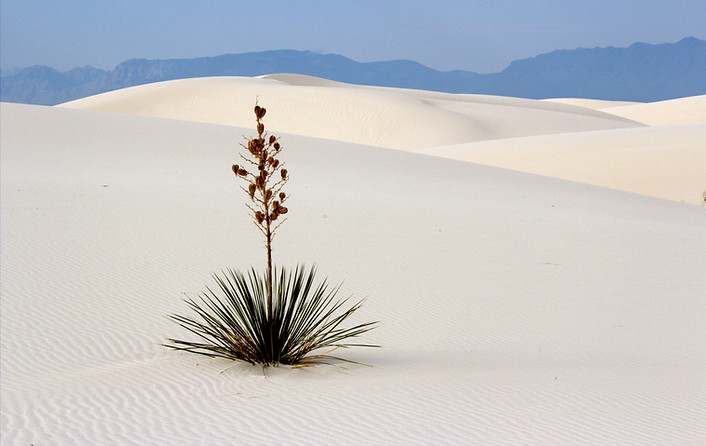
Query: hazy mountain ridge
column 640, row 72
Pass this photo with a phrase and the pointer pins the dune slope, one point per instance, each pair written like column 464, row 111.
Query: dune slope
column 602, row 143
column 666, row 162
column 514, row 308
column 385, row 117
column 691, row 110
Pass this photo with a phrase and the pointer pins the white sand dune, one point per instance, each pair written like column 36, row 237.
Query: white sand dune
column 691, row 110
column 667, row 162
column 596, row 104
column 365, row 115
column 514, row 308
column 558, row 138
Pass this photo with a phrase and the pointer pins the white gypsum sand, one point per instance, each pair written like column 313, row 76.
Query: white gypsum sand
column 691, row 110
column 666, row 161
column 385, row 117
column 514, row 308
column 574, row 139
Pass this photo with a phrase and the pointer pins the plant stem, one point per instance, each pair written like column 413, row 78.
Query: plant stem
column 268, row 223
column 270, row 313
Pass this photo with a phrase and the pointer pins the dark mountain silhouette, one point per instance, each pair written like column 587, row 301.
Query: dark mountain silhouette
column 641, row 72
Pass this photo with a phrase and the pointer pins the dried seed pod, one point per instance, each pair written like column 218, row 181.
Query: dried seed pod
column 252, row 147
column 267, row 198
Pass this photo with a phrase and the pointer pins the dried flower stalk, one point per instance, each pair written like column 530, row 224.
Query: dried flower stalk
column 265, row 179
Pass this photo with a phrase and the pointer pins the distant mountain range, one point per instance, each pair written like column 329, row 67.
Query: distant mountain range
column 641, row 72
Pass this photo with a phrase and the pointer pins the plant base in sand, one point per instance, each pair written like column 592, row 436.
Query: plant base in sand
column 232, row 321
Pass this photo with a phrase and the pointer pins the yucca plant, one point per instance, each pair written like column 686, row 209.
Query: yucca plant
column 234, row 323
column 273, row 317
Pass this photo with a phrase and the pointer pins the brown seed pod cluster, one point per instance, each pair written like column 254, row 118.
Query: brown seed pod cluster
column 263, row 185
column 265, row 177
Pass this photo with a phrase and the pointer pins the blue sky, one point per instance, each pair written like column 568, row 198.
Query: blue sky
column 482, row 36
